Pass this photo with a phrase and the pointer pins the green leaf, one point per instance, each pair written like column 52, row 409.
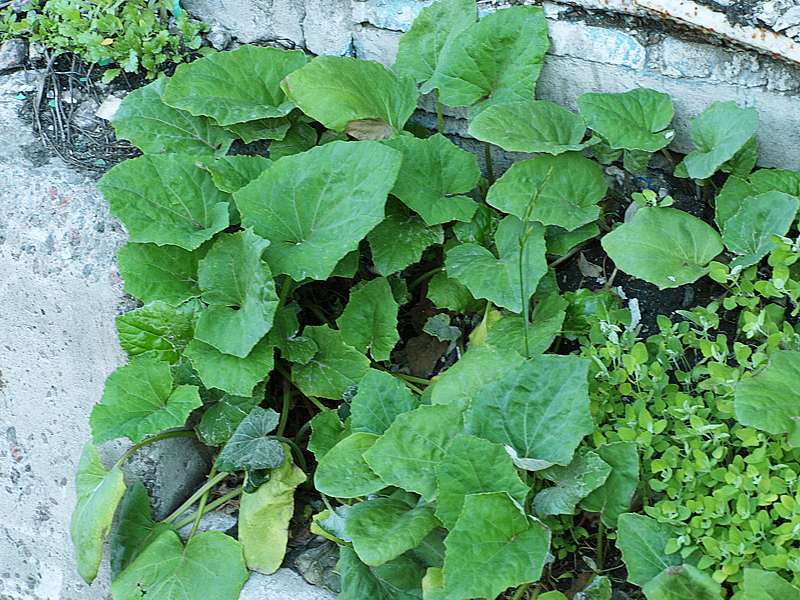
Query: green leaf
column 766, row 585
column 156, row 128
column 433, row 176
column 636, row 161
column 614, row 497
column 498, row 280
column 406, row 455
column 433, row 31
column 315, row 207
column 165, row 199
column 663, row 246
column 530, row 126
column 139, row 400
column 99, row 492
column 221, row 419
column 384, row 528
column 400, row 239
column 327, row 430
column 334, row 369
column 496, row 60
column 343, row 473
column 448, row 293
column 156, row 330
column 770, row 401
column 473, row 466
column 718, row 133
column 379, row 400
column 492, row 547
column 547, row 319
column 561, row 190
column 360, row 97
column 433, row 584
column 749, row 231
column 574, row 482
column 235, row 87
column 300, row 137
column 264, row 517
column 642, row 541
column 210, row 565
column 231, row 173
column 731, row 199
column 238, row 287
column 554, row 595
column 154, row 273
column 439, row 327
column 744, row 160
column 540, row 409
column 229, row 373
column 261, row 129
column 369, row 321
column 135, row 528
column 599, row 588
column 681, row 582
column 400, row 579
column 780, row 180
column 633, row 120
column 250, row 446
column 284, row 335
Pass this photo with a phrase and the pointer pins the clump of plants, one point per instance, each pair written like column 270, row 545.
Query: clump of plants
column 288, row 298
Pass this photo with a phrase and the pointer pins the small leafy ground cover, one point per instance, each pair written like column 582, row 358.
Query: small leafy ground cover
column 359, row 314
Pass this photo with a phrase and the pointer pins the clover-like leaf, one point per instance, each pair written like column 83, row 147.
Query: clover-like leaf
column 139, row 400
column 642, row 541
column 633, row 120
column 498, row 279
column 315, row 207
column 492, row 547
column 231, row 173
column 165, row 199
column 264, row 517
column 361, row 97
column 344, row 473
column 369, row 321
column 663, row 246
column 681, row 582
column 334, row 369
column 229, row 373
column 766, row 585
column 400, row 579
column 434, row 175
column 237, row 285
column 718, row 133
column 251, row 447
column 530, row 126
column 235, row 87
column 209, row 566
column 615, row 495
column 221, row 419
column 407, row 454
column 153, row 273
column 400, row 239
column 135, row 528
column 379, row 400
column 574, row 482
column 540, row 409
column 99, row 492
column 156, row 330
column 561, row 190
column 156, row 128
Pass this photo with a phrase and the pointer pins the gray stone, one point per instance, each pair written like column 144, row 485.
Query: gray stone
column 12, row 55
column 218, row 36
column 254, row 20
column 371, row 43
column 213, row 521
column 285, row 584
column 788, row 19
column 84, row 116
column 328, row 27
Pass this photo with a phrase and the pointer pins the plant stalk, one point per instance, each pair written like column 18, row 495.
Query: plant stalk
column 152, row 440
column 520, row 591
column 195, row 497
column 298, row 453
column 439, row 115
column 287, row 396
column 201, row 507
column 210, row 506
column 601, row 543
column 487, row 154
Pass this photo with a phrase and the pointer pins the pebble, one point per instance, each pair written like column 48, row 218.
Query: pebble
column 13, row 54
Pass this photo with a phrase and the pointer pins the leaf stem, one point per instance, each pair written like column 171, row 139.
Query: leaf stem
column 284, row 293
column 422, row 278
column 601, row 543
column 487, row 155
column 210, row 506
column 196, row 496
column 317, row 402
column 520, row 591
column 152, row 440
column 201, row 507
column 298, row 453
column 439, row 115
column 287, row 396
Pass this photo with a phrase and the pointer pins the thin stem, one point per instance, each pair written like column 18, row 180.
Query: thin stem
column 287, row 396
column 601, row 543
column 201, row 507
column 152, row 440
column 520, row 592
column 298, row 453
column 425, row 276
column 487, row 154
column 523, row 295
column 412, row 379
column 210, row 506
column 566, row 257
column 439, row 116
column 284, row 293
column 194, row 497
column 316, row 402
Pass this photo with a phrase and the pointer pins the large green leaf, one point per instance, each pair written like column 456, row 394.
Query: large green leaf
column 343, row 473
column 731, row 199
column 561, row 190
column 327, row 430
column 221, row 419
column 492, row 547
column 682, row 582
column 642, row 541
column 378, row 401
column 135, row 527
column 400, row 239
column 153, row 272
column 229, row 373
column 614, row 497
column 361, row 97
column 209, row 566
column 574, row 482
column 770, row 401
column 498, row 279
column 99, row 492
column 300, row 137
column 406, row 455
column 508, row 332
column 530, row 126
column 335, row 368
column 540, row 409
column 766, row 585
column 664, row 246
column 433, row 31
column 250, row 447
column 433, row 178
column 433, row 584
column 235, row 87
column 273, row 128
column 400, row 579
column 369, row 321
column 166, row 199
column 316, row 206
column 446, row 292
column 384, row 528
column 749, row 230
column 780, row 180
column 156, row 128
column 156, row 330
column 498, row 59
column 138, row 400
column 264, row 517
column 473, row 466
column 718, row 133
column 231, row 173
column 633, row 120
column 238, row 287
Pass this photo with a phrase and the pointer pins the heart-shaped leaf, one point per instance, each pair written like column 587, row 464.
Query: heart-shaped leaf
column 400, row 239
column 369, row 321
column 446, row 292
column 681, row 582
column 327, row 430
column 642, row 541
column 156, row 330
column 152, row 273
column 379, row 400
column 250, row 447
column 229, row 373
column 343, row 473
column 334, row 369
